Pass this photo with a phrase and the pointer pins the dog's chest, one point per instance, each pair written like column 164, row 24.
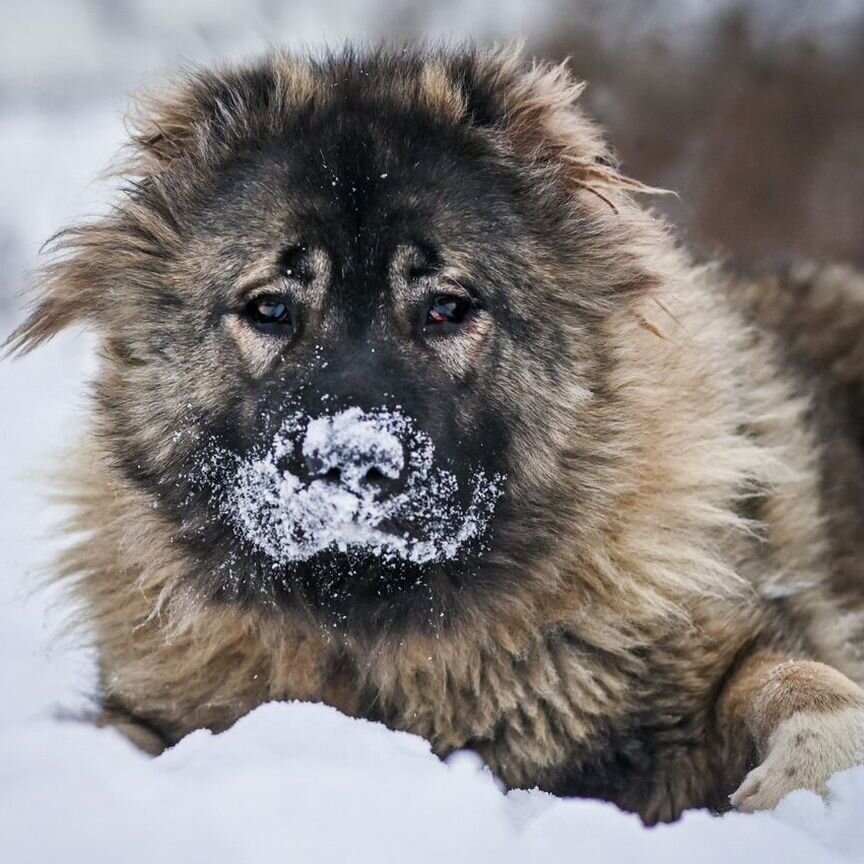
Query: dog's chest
column 568, row 717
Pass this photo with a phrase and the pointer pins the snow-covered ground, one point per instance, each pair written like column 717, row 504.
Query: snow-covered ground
column 290, row 782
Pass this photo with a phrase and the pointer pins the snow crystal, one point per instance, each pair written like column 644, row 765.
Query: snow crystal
column 291, row 518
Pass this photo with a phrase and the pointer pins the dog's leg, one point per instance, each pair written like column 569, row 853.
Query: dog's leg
column 805, row 719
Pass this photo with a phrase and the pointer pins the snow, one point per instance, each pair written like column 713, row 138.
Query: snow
column 289, row 782
column 290, row 519
column 301, row 782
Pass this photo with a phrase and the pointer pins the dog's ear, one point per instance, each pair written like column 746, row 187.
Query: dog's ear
column 187, row 118
column 92, row 261
column 165, row 126
column 65, row 295
column 205, row 112
column 73, row 287
column 534, row 106
column 98, row 267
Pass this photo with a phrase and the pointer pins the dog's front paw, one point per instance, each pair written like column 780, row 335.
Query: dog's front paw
column 803, row 753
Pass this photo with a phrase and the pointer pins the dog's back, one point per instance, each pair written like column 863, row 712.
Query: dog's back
column 816, row 311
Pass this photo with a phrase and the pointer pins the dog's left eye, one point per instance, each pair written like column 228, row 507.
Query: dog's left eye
column 270, row 313
column 447, row 309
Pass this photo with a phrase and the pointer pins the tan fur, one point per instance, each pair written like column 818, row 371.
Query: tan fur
column 708, row 540
column 768, row 690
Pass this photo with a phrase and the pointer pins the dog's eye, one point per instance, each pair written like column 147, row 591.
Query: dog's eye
column 447, row 309
column 270, row 313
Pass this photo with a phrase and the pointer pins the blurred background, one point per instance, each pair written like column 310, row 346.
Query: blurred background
column 752, row 110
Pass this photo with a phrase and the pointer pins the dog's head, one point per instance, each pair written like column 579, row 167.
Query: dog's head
column 351, row 317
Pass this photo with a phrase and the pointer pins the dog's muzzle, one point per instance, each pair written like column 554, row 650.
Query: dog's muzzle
column 357, row 481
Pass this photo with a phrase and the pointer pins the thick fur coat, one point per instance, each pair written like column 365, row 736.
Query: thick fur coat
column 671, row 593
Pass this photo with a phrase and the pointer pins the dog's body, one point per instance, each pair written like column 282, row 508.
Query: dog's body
column 662, row 586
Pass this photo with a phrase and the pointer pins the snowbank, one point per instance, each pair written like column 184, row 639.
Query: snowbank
column 301, row 782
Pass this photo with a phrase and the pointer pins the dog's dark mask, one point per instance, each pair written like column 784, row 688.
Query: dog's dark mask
column 347, row 490
column 362, row 457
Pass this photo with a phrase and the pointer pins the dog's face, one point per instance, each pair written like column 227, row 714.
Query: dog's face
column 346, row 347
column 357, row 450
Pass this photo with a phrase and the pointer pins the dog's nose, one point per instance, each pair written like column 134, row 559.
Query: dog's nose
column 355, row 450
column 355, row 474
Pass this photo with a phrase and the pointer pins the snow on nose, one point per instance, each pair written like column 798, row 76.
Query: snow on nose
column 354, row 448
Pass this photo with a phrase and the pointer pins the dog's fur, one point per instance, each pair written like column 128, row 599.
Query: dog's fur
column 672, row 591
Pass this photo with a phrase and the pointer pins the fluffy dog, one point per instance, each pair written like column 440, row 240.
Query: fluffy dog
column 405, row 404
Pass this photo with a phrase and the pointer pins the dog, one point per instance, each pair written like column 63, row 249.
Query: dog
column 408, row 404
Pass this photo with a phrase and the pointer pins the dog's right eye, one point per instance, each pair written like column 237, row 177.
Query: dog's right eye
column 271, row 313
